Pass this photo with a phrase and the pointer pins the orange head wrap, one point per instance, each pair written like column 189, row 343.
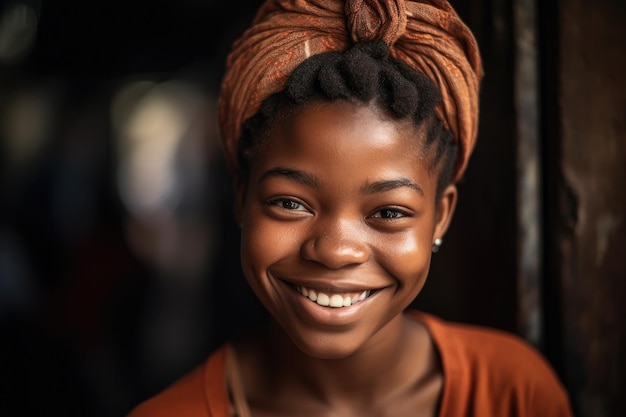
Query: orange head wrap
column 428, row 35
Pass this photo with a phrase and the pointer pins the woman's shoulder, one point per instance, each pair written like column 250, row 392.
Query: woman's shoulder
column 482, row 348
column 202, row 392
column 497, row 366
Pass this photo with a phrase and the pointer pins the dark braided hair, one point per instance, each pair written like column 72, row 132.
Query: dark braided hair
column 365, row 73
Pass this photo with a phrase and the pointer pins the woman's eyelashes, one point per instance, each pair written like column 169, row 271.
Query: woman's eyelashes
column 287, row 204
column 391, row 213
column 291, row 205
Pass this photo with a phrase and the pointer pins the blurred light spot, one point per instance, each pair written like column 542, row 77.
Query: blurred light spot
column 163, row 151
column 18, row 27
column 157, row 120
column 25, row 123
column 125, row 101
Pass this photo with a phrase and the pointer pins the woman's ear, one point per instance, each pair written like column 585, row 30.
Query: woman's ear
column 240, row 189
column 445, row 210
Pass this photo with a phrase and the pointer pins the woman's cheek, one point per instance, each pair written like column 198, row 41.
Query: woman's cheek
column 409, row 260
column 265, row 241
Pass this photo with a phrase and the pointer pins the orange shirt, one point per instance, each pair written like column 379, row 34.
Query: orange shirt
column 486, row 373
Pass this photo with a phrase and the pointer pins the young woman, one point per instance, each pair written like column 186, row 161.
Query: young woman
column 347, row 125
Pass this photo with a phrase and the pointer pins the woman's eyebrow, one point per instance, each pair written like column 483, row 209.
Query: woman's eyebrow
column 388, row 185
column 301, row 177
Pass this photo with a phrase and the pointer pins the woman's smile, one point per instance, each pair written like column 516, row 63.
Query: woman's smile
column 334, row 299
column 331, row 308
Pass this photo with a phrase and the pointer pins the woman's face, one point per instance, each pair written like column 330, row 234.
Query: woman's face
column 338, row 221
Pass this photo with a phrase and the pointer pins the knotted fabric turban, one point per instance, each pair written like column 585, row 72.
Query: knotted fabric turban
column 428, row 35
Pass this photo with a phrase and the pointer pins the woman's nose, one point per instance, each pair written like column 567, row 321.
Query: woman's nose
column 335, row 245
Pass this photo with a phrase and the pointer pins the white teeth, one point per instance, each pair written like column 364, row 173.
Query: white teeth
column 323, row 300
column 334, row 300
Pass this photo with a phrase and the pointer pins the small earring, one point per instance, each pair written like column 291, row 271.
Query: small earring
column 437, row 245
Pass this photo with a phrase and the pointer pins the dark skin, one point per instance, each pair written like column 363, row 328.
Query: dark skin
column 340, row 202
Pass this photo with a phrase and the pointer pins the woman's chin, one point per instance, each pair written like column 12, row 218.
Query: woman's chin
column 326, row 351
column 328, row 346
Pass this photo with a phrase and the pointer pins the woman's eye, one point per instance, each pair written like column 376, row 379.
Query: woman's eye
column 286, row 203
column 389, row 214
column 291, row 205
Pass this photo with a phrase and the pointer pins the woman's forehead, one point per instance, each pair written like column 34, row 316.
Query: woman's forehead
column 342, row 139
column 341, row 126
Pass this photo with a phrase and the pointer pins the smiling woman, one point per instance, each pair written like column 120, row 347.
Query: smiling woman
column 334, row 203
column 347, row 126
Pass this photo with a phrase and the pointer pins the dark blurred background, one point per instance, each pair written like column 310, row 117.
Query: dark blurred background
column 118, row 251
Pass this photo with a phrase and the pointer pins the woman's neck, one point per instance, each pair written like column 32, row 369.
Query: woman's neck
column 397, row 359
